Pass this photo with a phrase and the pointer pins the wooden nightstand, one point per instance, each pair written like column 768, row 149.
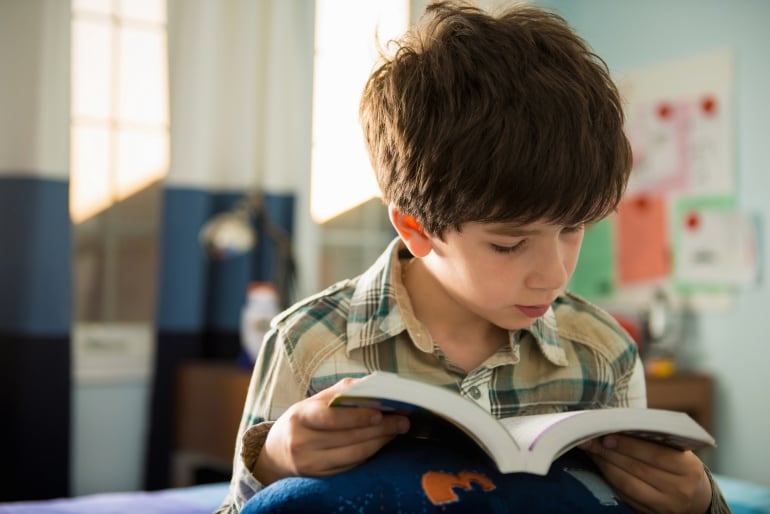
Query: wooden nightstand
column 208, row 409
column 688, row 392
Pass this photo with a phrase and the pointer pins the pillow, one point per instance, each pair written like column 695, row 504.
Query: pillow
column 417, row 475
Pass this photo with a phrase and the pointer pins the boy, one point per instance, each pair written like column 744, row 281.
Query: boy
column 495, row 141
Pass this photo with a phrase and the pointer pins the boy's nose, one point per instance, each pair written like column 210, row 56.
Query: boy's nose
column 549, row 271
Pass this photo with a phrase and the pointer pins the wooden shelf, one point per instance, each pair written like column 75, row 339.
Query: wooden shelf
column 208, row 409
column 692, row 393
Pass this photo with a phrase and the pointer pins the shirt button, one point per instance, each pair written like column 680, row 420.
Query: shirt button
column 474, row 392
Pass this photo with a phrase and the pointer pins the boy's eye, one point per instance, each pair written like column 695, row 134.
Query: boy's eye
column 573, row 229
column 508, row 249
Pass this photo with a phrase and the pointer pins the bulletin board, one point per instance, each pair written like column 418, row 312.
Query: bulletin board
column 679, row 225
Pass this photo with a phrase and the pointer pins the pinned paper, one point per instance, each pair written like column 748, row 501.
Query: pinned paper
column 709, row 151
column 594, row 277
column 717, row 246
column 642, row 235
column 679, row 126
column 658, row 133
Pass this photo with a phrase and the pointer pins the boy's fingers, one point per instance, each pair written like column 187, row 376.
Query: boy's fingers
column 651, row 490
column 337, row 460
column 322, row 417
column 319, row 415
column 636, row 493
column 624, row 449
column 391, row 426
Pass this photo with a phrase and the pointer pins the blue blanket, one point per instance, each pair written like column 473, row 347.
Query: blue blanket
column 428, row 476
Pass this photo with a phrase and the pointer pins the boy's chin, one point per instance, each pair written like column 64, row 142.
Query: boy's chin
column 518, row 324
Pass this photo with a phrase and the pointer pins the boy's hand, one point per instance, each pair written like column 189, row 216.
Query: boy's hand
column 651, row 477
column 313, row 439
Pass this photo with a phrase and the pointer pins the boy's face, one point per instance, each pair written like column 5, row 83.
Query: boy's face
column 507, row 274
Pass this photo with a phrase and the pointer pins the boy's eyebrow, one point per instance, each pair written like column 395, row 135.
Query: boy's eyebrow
column 513, row 230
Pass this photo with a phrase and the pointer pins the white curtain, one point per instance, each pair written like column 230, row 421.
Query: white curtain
column 240, row 89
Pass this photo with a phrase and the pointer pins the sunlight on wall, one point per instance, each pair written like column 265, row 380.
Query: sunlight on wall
column 341, row 176
column 119, row 133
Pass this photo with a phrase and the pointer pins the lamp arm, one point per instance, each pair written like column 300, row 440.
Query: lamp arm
column 285, row 265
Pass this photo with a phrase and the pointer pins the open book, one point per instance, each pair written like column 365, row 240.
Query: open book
column 522, row 443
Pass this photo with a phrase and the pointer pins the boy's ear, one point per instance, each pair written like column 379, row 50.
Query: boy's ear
column 411, row 232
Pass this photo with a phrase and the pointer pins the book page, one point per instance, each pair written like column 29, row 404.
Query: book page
column 560, row 431
column 527, row 429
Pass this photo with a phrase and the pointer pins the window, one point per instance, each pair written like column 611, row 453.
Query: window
column 344, row 196
column 345, row 54
column 119, row 101
column 119, row 153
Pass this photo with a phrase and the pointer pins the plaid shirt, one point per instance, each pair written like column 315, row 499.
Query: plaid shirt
column 574, row 357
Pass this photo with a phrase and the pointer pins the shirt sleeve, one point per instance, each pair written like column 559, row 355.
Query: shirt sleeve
column 273, row 388
column 630, row 389
column 637, row 387
column 718, row 502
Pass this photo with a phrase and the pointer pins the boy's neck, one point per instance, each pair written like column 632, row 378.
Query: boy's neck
column 464, row 338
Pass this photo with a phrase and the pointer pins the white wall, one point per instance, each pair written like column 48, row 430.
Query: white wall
column 35, row 99
column 732, row 345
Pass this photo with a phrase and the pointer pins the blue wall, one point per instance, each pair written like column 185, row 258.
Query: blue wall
column 198, row 293
column 35, row 256
column 200, row 301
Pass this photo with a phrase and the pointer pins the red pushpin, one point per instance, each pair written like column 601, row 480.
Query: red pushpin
column 708, row 105
column 664, row 111
column 692, row 220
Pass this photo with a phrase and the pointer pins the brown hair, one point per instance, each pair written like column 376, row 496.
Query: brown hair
column 488, row 118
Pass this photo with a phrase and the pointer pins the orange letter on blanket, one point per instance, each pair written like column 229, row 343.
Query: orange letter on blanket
column 439, row 486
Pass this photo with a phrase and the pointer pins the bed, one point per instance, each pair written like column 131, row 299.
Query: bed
column 199, row 499
column 743, row 497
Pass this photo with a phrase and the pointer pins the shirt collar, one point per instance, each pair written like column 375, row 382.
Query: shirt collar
column 380, row 309
column 375, row 313
column 545, row 333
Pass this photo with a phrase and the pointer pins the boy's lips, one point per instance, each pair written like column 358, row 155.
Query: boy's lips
column 533, row 311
